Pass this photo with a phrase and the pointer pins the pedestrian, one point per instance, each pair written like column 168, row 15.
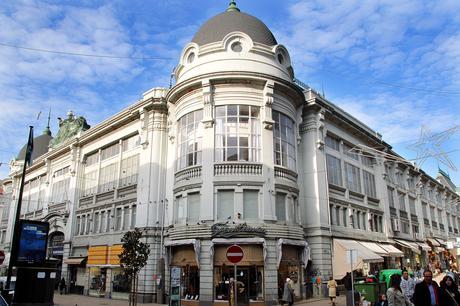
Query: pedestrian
column 62, row 286
column 332, row 286
column 449, row 291
column 407, row 285
column 395, row 295
column 382, row 300
column 426, row 293
column 288, row 292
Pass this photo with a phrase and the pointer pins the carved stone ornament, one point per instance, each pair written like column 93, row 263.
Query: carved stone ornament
column 68, row 128
column 223, row 230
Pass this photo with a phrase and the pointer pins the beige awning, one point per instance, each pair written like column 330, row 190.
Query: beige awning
column 74, row 261
column 341, row 266
column 441, row 242
column 374, row 248
column 424, row 246
column 392, row 251
column 433, row 242
column 439, row 249
column 411, row 245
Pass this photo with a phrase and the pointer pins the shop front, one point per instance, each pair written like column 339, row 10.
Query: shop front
column 411, row 252
column 184, row 264
column 292, row 260
column 77, row 271
column 106, row 278
column 249, row 272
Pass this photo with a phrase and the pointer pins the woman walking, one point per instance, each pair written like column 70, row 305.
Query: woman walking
column 449, row 291
column 332, row 288
column 394, row 293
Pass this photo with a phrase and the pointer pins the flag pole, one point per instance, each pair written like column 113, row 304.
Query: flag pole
column 14, row 244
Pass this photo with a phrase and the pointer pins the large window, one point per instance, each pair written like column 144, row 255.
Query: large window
column 237, row 133
column 334, row 170
column 250, row 204
column 190, row 135
column 284, row 141
column 280, row 204
column 107, row 177
column 353, row 177
column 225, row 204
column 129, row 169
column 193, row 209
column 369, row 184
column 390, row 194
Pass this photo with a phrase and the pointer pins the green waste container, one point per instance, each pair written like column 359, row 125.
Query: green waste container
column 370, row 291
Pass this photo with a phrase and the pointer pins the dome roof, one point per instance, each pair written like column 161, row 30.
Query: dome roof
column 41, row 144
column 216, row 28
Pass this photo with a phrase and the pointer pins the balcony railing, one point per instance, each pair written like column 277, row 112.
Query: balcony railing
column 237, row 169
column 188, row 174
column 441, row 226
column 413, row 218
column 285, row 173
column 434, row 224
column 426, row 221
column 403, row 214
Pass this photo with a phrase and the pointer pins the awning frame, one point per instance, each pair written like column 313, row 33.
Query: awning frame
column 196, row 243
column 230, row 241
column 305, row 257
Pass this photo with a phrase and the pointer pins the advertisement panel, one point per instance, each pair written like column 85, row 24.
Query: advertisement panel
column 32, row 242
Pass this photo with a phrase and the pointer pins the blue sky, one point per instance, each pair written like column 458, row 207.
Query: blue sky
column 394, row 65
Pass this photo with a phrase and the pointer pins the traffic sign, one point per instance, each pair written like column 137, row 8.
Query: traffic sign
column 2, row 257
column 235, row 254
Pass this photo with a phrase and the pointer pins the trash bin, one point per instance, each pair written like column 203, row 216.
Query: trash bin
column 370, row 291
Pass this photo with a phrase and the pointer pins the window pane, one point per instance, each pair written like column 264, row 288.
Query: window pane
column 284, row 135
column 225, row 204
column 193, row 201
column 190, row 133
column 250, row 204
column 281, row 206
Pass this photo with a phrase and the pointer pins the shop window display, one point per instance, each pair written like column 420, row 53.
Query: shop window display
column 98, row 281
column 190, row 283
column 250, row 283
column 120, row 281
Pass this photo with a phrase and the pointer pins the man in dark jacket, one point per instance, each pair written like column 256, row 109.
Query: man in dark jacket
column 426, row 293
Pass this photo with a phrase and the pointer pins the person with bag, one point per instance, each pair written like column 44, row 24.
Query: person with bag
column 332, row 288
column 449, row 291
column 395, row 295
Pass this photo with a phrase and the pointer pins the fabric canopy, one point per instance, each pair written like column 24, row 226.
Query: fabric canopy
column 374, row 248
column 340, row 263
column 441, row 242
column 439, row 249
column 305, row 251
column 424, row 246
column 74, row 261
column 392, row 251
column 407, row 244
column 196, row 247
column 433, row 242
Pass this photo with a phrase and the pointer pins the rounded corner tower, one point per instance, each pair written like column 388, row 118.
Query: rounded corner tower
column 231, row 42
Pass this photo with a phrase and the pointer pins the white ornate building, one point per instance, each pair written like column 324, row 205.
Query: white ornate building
column 236, row 152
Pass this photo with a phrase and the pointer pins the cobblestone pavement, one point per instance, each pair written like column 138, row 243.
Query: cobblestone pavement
column 83, row 300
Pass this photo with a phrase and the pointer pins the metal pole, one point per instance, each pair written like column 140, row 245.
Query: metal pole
column 235, row 287
column 14, row 250
column 352, row 287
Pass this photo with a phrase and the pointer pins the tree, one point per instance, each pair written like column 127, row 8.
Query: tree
column 132, row 259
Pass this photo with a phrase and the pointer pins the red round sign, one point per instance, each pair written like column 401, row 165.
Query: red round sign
column 235, row 254
column 2, row 257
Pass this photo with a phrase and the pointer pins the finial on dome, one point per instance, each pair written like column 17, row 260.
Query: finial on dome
column 47, row 130
column 232, row 7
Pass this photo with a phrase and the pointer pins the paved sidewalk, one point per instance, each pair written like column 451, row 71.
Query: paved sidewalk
column 83, row 300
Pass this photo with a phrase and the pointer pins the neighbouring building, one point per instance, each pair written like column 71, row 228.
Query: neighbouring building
column 236, row 152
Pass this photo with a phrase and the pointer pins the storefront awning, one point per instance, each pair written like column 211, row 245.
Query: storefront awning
column 339, row 262
column 433, row 242
column 424, row 246
column 196, row 246
column 374, row 248
column 439, row 249
column 305, row 251
column 410, row 245
column 392, row 251
column 441, row 242
column 74, row 261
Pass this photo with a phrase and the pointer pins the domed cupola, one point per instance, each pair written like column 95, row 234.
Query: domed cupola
column 233, row 42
